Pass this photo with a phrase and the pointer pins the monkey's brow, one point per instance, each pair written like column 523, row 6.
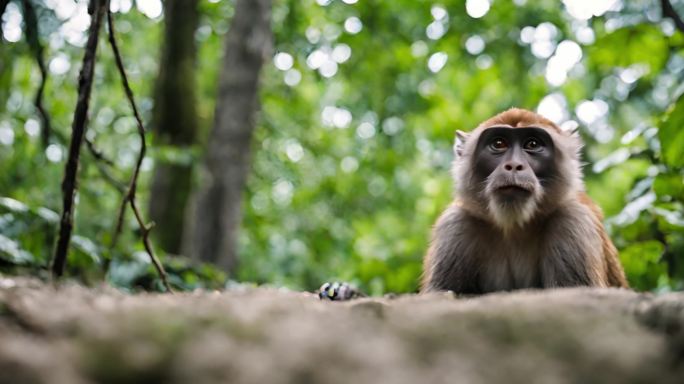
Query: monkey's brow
column 508, row 126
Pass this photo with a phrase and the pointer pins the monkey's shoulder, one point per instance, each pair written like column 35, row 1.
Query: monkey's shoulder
column 456, row 215
column 575, row 215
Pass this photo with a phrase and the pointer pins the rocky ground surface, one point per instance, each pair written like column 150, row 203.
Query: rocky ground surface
column 72, row 334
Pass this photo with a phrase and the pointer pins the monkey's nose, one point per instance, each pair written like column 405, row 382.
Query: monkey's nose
column 510, row 166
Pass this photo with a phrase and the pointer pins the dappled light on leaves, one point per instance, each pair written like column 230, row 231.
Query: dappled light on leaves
column 477, row 8
column 568, row 53
column 6, row 135
column 122, row 6
column 365, row 130
column 590, row 111
column 353, row 25
column 11, row 23
column 32, row 127
column 543, row 40
column 292, row 77
column 475, row 45
column 294, row 150
column 282, row 192
column 326, row 59
column 584, row 10
column 150, row 8
column 553, row 107
column 283, row 61
column 54, row 153
column 60, row 65
column 76, row 21
column 437, row 61
column 336, row 117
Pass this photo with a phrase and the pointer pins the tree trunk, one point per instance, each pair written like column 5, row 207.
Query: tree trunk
column 174, row 121
column 218, row 211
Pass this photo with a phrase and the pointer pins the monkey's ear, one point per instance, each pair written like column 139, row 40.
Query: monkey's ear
column 459, row 144
column 571, row 128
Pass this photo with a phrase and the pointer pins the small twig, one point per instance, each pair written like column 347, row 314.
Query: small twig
column 103, row 163
column 130, row 195
column 109, row 177
column 120, row 219
column 31, row 26
column 78, row 129
column 669, row 11
column 97, row 154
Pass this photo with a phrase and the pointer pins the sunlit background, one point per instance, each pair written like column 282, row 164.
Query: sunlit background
column 359, row 105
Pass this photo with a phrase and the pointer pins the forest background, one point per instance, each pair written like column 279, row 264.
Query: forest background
column 307, row 140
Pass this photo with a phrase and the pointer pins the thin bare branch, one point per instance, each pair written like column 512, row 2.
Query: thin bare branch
column 105, row 172
column 78, row 129
column 130, row 195
column 103, row 163
column 37, row 49
column 120, row 218
column 97, row 153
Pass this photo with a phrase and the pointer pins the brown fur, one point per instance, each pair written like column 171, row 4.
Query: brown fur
column 564, row 244
column 516, row 118
column 615, row 273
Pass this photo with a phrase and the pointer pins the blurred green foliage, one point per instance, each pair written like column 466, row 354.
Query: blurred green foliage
column 353, row 148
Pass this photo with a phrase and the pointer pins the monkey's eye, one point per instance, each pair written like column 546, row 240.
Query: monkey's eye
column 498, row 144
column 532, row 144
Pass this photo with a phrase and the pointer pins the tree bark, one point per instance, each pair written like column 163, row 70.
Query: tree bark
column 174, row 121
column 218, row 211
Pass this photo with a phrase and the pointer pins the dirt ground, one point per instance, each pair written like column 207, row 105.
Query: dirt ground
column 72, row 334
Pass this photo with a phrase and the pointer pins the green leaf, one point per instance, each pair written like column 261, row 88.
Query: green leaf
column 12, row 253
column 87, row 248
column 123, row 273
column 671, row 134
column 12, row 205
column 47, row 215
column 669, row 184
column 642, row 263
column 640, row 44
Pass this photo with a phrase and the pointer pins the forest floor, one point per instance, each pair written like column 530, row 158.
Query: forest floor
column 72, row 334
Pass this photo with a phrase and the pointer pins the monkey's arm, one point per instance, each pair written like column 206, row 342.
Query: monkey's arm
column 447, row 264
column 614, row 271
column 574, row 250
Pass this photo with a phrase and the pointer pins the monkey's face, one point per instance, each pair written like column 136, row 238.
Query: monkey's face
column 512, row 165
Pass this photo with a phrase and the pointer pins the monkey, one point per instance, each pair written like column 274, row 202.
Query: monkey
column 520, row 217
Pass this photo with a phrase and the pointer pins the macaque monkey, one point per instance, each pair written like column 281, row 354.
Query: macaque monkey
column 520, row 218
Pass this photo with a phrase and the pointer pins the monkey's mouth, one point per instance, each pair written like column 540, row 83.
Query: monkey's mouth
column 513, row 191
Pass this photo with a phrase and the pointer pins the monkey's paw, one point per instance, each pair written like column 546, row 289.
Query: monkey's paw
column 337, row 291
